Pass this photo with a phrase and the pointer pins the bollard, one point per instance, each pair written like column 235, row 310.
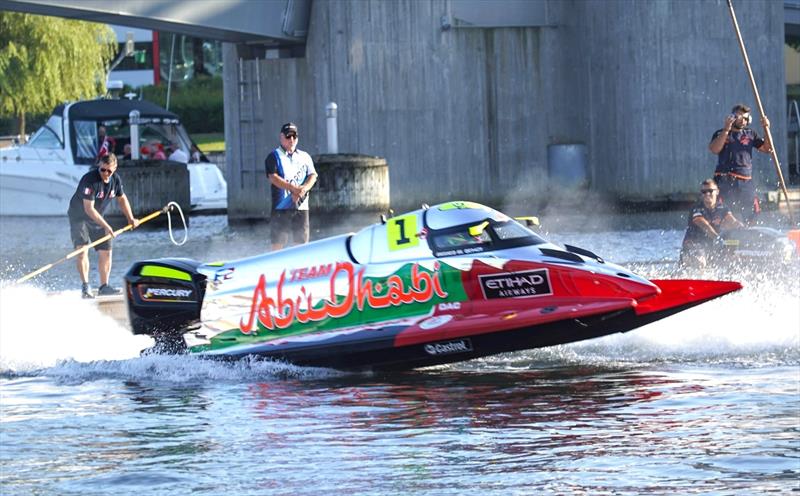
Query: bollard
column 333, row 135
column 350, row 183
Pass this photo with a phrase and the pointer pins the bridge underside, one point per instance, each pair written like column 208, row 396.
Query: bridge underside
column 274, row 23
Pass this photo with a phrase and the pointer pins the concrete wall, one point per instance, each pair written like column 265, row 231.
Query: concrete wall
column 661, row 76
column 469, row 112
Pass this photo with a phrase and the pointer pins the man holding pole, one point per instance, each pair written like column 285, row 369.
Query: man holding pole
column 733, row 144
column 95, row 191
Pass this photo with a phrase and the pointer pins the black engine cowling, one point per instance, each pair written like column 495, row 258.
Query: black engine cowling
column 164, row 299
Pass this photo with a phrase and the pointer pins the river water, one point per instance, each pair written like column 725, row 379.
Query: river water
column 704, row 402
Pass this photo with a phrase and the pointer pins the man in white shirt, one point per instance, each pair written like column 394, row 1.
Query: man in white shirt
column 291, row 174
column 178, row 155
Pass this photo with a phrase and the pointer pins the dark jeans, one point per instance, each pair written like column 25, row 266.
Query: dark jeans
column 739, row 195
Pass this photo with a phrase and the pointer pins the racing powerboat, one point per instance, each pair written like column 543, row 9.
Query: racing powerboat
column 441, row 284
column 39, row 177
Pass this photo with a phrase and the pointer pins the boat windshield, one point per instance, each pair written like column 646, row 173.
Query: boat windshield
column 152, row 133
column 514, row 230
column 482, row 236
column 50, row 136
column 85, row 137
column 460, row 237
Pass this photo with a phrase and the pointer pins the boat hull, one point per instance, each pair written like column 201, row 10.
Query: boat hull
column 390, row 347
column 44, row 190
column 37, row 191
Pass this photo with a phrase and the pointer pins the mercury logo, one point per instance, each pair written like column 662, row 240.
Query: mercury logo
column 171, row 292
column 460, row 346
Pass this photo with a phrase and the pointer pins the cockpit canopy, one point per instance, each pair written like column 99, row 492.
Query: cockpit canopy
column 448, row 229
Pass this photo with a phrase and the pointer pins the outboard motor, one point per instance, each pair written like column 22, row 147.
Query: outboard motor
column 164, row 300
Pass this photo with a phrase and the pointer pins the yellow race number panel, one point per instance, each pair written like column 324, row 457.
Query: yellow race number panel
column 401, row 232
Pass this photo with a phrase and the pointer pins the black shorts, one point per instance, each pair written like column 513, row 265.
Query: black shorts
column 286, row 222
column 85, row 232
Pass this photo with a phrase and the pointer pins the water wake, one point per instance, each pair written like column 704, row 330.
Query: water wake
column 758, row 326
column 38, row 329
column 60, row 335
column 63, row 336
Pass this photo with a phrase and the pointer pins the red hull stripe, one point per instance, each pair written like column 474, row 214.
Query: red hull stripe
column 484, row 317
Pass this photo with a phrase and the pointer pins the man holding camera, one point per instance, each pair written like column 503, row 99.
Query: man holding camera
column 734, row 144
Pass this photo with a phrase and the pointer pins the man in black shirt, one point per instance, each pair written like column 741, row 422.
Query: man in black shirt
column 707, row 218
column 734, row 144
column 95, row 191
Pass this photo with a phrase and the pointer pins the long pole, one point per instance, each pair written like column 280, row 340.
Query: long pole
column 761, row 110
column 92, row 245
column 169, row 78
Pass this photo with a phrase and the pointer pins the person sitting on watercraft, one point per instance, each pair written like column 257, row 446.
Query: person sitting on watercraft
column 706, row 219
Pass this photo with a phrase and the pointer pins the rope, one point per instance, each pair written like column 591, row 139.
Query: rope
column 170, row 206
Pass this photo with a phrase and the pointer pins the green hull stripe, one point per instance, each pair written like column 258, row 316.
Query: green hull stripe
column 450, row 279
column 165, row 272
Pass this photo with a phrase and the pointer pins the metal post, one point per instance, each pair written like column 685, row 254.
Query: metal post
column 333, row 135
column 133, row 121
column 169, row 78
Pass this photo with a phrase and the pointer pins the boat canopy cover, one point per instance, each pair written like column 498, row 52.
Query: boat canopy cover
column 104, row 109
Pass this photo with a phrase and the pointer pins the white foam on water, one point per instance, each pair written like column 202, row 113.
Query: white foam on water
column 38, row 330
column 183, row 369
column 63, row 336
column 757, row 326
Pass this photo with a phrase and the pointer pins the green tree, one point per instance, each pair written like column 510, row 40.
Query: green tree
column 45, row 61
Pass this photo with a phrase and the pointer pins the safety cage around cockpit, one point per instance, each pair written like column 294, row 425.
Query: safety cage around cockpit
column 451, row 229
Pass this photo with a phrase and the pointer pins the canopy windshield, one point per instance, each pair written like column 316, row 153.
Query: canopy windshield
column 158, row 128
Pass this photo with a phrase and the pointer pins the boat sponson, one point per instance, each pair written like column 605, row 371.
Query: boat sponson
column 679, row 294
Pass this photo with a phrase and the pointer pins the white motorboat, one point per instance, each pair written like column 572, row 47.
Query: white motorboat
column 39, row 177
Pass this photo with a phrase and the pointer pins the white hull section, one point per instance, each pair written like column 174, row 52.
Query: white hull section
column 44, row 189
column 207, row 187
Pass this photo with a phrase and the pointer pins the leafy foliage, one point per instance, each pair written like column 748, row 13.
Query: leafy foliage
column 198, row 101
column 45, row 61
column 794, row 42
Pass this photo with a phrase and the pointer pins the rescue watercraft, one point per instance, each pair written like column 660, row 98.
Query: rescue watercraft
column 447, row 283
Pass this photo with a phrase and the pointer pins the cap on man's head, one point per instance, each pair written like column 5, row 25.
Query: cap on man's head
column 288, row 129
